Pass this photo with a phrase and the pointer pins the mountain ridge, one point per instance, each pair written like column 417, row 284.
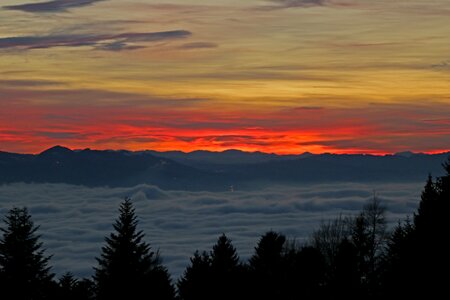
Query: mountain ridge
column 231, row 150
column 210, row 170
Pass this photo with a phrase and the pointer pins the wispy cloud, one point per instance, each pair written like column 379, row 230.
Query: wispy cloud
column 281, row 4
column 198, row 45
column 12, row 83
column 51, row 6
column 124, row 41
column 118, row 46
column 443, row 65
column 23, row 92
column 300, row 3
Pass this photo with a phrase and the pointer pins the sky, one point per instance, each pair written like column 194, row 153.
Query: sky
column 282, row 76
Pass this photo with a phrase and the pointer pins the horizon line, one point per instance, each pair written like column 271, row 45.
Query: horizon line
column 437, row 152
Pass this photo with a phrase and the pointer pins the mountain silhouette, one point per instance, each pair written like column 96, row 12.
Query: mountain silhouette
column 56, row 151
column 96, row 168
column 204, row 170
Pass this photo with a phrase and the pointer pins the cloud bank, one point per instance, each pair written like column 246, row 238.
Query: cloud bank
column 51, row 6
column 74, row 220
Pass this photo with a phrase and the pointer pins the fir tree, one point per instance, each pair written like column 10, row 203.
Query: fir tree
column 267, row 268
column 24, row 270
column 268, row 253
column 399, row 267
column 71, row 288
column 428, row 207
column 128, row 268
column 224, row 258
column 217, row 275
column 85, row 289
column 345, row 283
column 195, row 284
column 227, row 273
column 67, row 286
column 418, row 253
column 306, row 271
column 432, row 227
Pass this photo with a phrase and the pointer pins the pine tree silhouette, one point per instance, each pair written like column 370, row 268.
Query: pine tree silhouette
column 195, row 284
column 24, row 270
column 67, row 285
column 418, row 253
column 224, row 258
column 345, row 283
column 128, row 268
column 70, row 288
column 443, row 188
column 227, row 273
column 444, row 181
column 217, row 275
column 431, row 228
column 399, row 266
column 428, row 207
column 84, row 289
column 306, row 273
column 267, row 267
column 268, row 253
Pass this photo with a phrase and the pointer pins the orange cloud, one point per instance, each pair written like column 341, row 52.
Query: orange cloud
column 377, row 129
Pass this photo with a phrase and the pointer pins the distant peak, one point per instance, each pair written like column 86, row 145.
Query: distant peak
column 306, row 154
column 56, row 150
column 233, row 151
column 405, row 154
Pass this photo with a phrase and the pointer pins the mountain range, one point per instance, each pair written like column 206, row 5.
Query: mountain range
column 204, row 170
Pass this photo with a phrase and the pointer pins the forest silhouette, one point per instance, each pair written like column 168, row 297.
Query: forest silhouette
column 351, row 257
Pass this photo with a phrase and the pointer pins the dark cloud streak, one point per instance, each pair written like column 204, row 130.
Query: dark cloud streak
column 443, row 65
column 300, row 3
column 27, row 83
column 51, row 6
column 83, row 97
column 282, row 4
column 100, row 41
column 198, row 45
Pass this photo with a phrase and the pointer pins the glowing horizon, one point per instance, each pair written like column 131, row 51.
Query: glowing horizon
column 275, row 76
column 232, row 149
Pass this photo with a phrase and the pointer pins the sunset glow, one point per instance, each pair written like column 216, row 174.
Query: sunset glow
column 350, row 76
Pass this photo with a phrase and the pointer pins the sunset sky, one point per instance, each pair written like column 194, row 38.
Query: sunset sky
column 283, row 76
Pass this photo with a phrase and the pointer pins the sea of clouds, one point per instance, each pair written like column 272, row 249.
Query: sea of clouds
column 74, row 220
